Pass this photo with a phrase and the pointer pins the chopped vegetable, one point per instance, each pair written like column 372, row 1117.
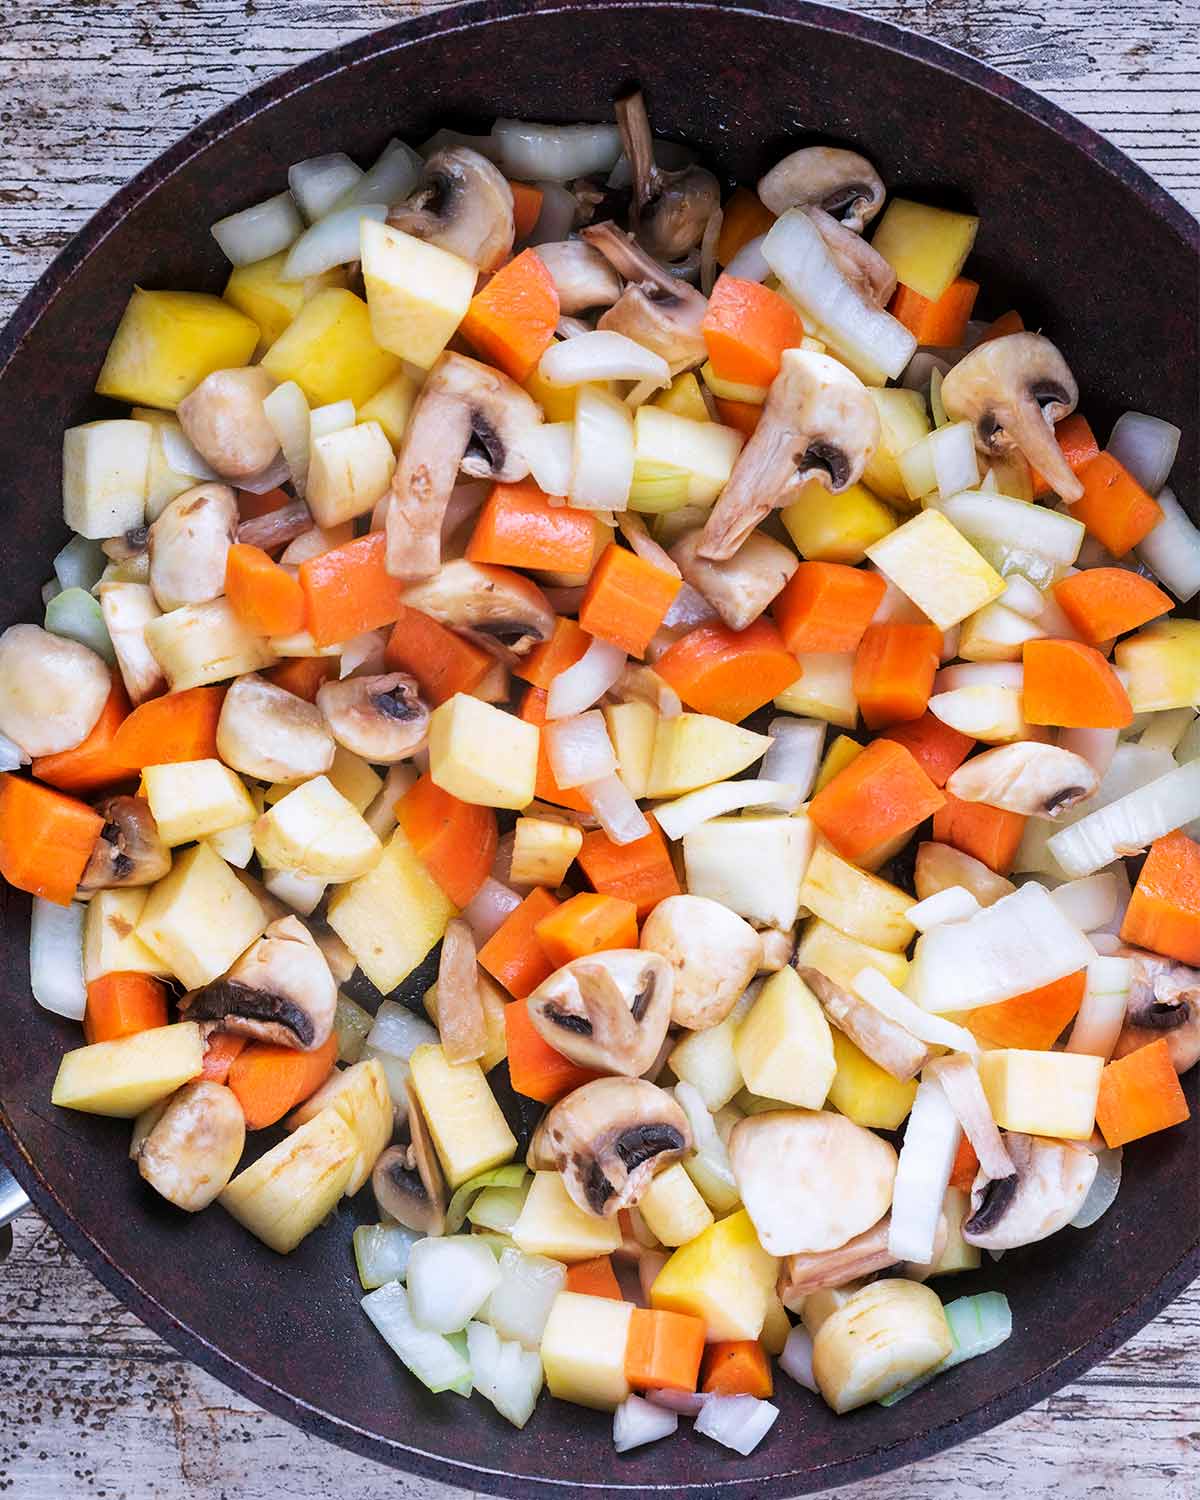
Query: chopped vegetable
column 46, row 839
column 626, row 600
column 1140, row 1094
column 729, row 673
column 1164, row 910
column 1116, row 510
column 882, row 793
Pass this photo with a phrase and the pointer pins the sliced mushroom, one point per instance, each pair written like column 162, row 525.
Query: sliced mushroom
column 52, row 690
column 226, row 424
column 463, row 204
column 609, row 1138
column 129, row 545
column 1051, row 1181
column 1014, row 389
column 581, row 275
column 1164, row 1002
column 819, row 422
column 407, row 1180
column 713, row 954
column 466, row 416
column 884, row 1041
column 461, row 1023
column 841, row 182
column 384, row 719
column 669, row 209
column 277, row 528
column 810, row 1180
column 341, row 961
column 192, row 1152
column 862, row 267
column 129, row 851
column 741, row 587
column 189, row 546
column 1039, row 781
column 609, row 1011
column 280, row 990
column 866, row 1253
column 498, row 609
column 127, row 608
column 655, row 309
column 271, row 734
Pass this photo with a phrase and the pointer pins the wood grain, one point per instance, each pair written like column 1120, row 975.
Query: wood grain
column 95, row 1404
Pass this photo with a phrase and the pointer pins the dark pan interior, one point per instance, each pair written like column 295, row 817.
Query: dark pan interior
column 1072, row 234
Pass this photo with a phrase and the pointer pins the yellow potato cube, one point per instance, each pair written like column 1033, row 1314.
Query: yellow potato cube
column 1042, row 1093
column 926, row 247
column 931, row 562
column 467, row 1125
column 167, row 342
column 348, row 472
column 110, row 942
column 329, row 351
column 200, row 917
column 840, row 958
column 1163, row 662
column 694, row 750
column 957, row 1254
column 858, row 904
column 543, row 851
column 840, row 754
column 360, row 1095
column 417, row 292
column 354, row 778
column 314, row 830
column 783, row 1047
column 723, row 1276
column 205, row 643
column 163, row 483
column 583, row 1350
column 863, row 1092
column 824, row 690
column 754, row 865
column 192, row 798
column 836, row 528
column 777, row 1326
column 552, row 1223
column 481, row 754
column 296, row 1185
column 632, row 728
column 673, row 1209
column 903, row 421
column 257, row 291
column 106, row 473
column 684, row 397
column 391, row 406
column 124, row 1077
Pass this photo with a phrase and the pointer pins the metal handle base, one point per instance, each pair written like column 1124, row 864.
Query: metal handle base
column 12, row 1202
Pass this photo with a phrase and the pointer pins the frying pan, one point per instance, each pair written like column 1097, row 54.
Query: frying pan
column 1072, row 234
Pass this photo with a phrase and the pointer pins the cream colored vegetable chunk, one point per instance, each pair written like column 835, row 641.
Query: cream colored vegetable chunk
column 288, row 1191
column 314, row 830
column 205, row 643
column 124, row 1077
column 106, row 468
column 200, row 917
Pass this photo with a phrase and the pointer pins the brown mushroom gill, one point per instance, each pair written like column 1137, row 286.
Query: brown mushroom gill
column 129, row 850
column 607, row 1011
column 407, row 1179
column 226, row 998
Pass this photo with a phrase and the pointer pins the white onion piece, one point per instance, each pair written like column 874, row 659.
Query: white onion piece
column 879, row 991
column 380, row 815
column 286, row 409
column 638, row 1421
column 392, row 178
column 796, row 1359
column 434, row 1360
column 954, row 904
column 669, row 155
column 795, row 752
column 56, row 958
column 1146, row 446
column 363, row 654
column 335, row 417
column 557, row 216
column 1006, row 674
column 12, row 757
column 270, row 478
column 686, row 1403
column 688, row 608
column 585, row 682
column 332, row 241
column 503, row 1372
column 1021, row 596
column 398, row 1031
column 557, row 153
column 579, row 749
column 1090, row 902
column 1130, row 824
column 601, row 355
column 923, row 1173
column 51, row 590
column 615, row 809
column 954, row 461
column 449, row 1279
column 1096, row 746
column 255, row 233
column 602, row 452
column 737, row 1422
column 441, row 139
column 1106, row 944
column 749, row 264
column 547, row 451
column 181, row 456
column 920, row 370
column 1104, row 1189
column 1050, row 539
column 80, row 564
column 1105, row 1000
column 963, row 1087
column 685, row 813
column 1172, row 549
column 488, row 908
column 708, row 251
column 319, row 182
column 1166, row 728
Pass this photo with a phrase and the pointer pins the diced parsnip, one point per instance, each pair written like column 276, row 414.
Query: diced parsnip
column 840, row 958
column 106, row 469
column 887, row 1334
column 996, row 633
column 583, row 1350
column 257, row 291
column 505, row 776
column 110, row 943
column 783, row 1047
column 391, row 406
column 494, row 1001
column 956, row 1255
column 314, row 830
column 836, row 528
column 360, row 1095
column 417, row 292
column 987, row 711
column 753, row 865
column 723, row 1276
column 706, row 1059
column 939, row 570
column 670, row 450
column 543, row 851
column 672, row 1208
column 552, row 1224
column 392, row 916
column 235, row 845
column 127, row 608
column 328, row 350
column 863, row 1092
column 468, row 1129
column 167, row 342
column 694, row 750
column 926, row 247
column 825, row 690
column 205, row 643
column 1163, row 665
column 858, row 904
column 348, row 472
column 632, row 728
column 288, row 1191
column 1042, row 1093
column 193, row 798
column 903, row 421
column 200, row 917
column 124, row 1077
column 354, row 778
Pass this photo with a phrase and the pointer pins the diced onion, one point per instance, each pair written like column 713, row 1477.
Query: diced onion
column 1096, row 746
column 919, row 371
column 1103, row 1192
column 923, row 1173
column 963, row 674
column 711, row 1151
column 332, row 241
column 441, row 139
column 12, row 757
column 50, row 590
column 1090, row 902
column 1015, row 536
column 963, row 1087
column 56, row 958
column 258, row 232
column 181, row 455
column 319, row 182
column 685, row 813
column 579, row 749
column 392, row 178
column 557, row 216
column 1172, row 549
column 434, row 1360
column 602, row 454
column 795, row 752
column 547, row 450
column 638, row 1421
column 1130, row 824
column 488, row 908
column 615, row 809
column 954, row 461
column 286, row 409
column 301, row 892
column 797, row 1359
column 737, row 1422
column 954, row 904
column 749, row 264
column 75, row 614
column 879, row 991
column 1021, row 596
column 520, row 1306
column 558, row 153
column 686, row 1403
column 398, row 1031
column 449, row 1279
column 80, row 564
column 363, row 654
column 1102, row 1014
column 509, row 1376
column 601, row 355
column 1146, row 446
column 585, row 682
column 381, row 1253
column 335, row 417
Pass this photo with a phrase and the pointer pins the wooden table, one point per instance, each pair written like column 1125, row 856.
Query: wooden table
column 93, row 1403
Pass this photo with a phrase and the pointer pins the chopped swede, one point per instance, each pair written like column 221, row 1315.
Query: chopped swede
column 737, row 1422
column 586, row 682
column 260, row 231
column 434, row 1360
column 954, row 904
column 56, row 958
column 381, row 1253
column 1130, row 824
column 1102, row 1013
column 637, row 1421
column 923, row 1173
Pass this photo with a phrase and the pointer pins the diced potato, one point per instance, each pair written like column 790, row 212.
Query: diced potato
column 723, row 1276
column 840, row 958
column 673, row 1209
column 632, row 728
column 707, row 1060
column 926, row 247
column 996, row 633
column 776, row 1328
column 124, row 1077
column 1163, row 663
column 887, row 1334
column 903, row 421
column 354, row 778
column 192, row 798
column 684, row 397
column 360, row 1095
column 167, row 342
column 495, row 1001
column 858, row 904
column 418, row 293
column 106, row 472
column 314, row 830
column 693, row 750
column 257, row 291
column 552, row 1223
column 836, row 528
column 543, row 851
column 864, row 1093
column 200, row 644
column 825, row 689
column 110, row 942
column 348, row 472
column 163, row 483
column 753, row 865
column 986, row 711
column 291, row 1189
column 933, row 563
column 235, row 845
column 783, row 1047
column 468, row 1128
column 678, row 460
column 840, row 754
column 583, row 1350
column 1042, row 1093
column 391, row 406
column 503, row 777
column 330, row 353
column 200, row 917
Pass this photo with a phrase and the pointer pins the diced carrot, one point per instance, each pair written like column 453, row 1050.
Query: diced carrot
column 519, row 528
column 546, row 789
column 626, row 599
column 121, row 1004
column 826, row 606
column 881, row 795
column 729, row 673
column 270, row 1080
column 640, row 872
column 744, row 217
column 742, row 416
column 1115, row 508
column 942, row 323
column 1071, row 685
column 664, row 1350
column 1140, row 1093
column 455, row 841
column 594, row 1278
column 992, row 834
column 302, row 675
column 737, row 1367
column 587, row 923
column 46, row 839
column 222, row 1050
column 746, row 329
column 1105, row 602
column 535, row 1068
column 1164, row 911
column 894, row 668
column 1078, row 445
column 251, row 506
column 512, row 955
column 562, row 650
column 91, row 766
column 176, row 727
column 937, row 749
column 349, row 590
column 441, row 660
column 527, row 208
column 266, row 598
column 511, row 322
column 965, row 1168
column 1032, row 1022
column 1001, row 327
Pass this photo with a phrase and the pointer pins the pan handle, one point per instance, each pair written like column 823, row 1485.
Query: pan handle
column 12, row 1202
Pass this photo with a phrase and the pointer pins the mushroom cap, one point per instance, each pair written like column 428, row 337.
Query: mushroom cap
column 608, row 1139
column 192, row 1151
column 1164, row 1002
column 656, row 309
column 1051, row 1181
column 810, row 1180
column 225, row 422
column 840, row 182
column 266, row 732
column 502, row 611
column 608, row 1011
column 189, row 546
column 581, row 275
column 407, row 1179
column 129, row 850
column 1038, row 780
column 52, row 690
column 712, row 952
column 463, row 204
column 384, row 719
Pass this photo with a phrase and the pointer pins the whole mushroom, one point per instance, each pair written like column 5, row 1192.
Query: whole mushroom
column 268, row 733
column 713, row 955
column 384, row 719
column 129, row 851
column 189, row 546
column 841, row 182
column 670, row 209
column 225, row 422
column 193, row 1149
column 608, row 1011
column 52, row 690
column 463, row 204
column 1046, row 1191
column 655, row 309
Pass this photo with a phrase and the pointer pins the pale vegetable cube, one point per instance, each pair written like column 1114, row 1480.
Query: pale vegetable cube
column 543, row 851
column 110, row 943
column 348, row 472
column 391, row 406
column 167, row 342
column 860, row 905
column 824, row 690
column 939, row 570
column 840, row 958
column 106, row 469
column 783, row 1047
column 673, row 1209
column 258, row 291
column 481, row 754
column 552, row 1223
column 418, row 293
column 926, row 247
column 200, row 917
column 124, row 1077
column 672, row 450
column 360, row 1095
column 986, row 711
column 354, row 778
column 468, row 1128
column 291, row 1189
column 956, row 1255
column 205, row 643
column 163, row 483
column 903, row 421
column 1042, row 1093
column 707, row 1060
column 887, row 1334
column 520, row 1305
column 724, row 1276
column 836, row 528
column 192, row 798
column 863, row 1092
column 235, row 845
column 693, row 750
column 127, row 608
column 330, row 353
column 583, row 1350
column 314, row 830
column 1163, row 665
column 754, row 865
column 632, row 728
column 996, row 633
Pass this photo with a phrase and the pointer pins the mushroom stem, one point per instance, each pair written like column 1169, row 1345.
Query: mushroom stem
column 1033, row 434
